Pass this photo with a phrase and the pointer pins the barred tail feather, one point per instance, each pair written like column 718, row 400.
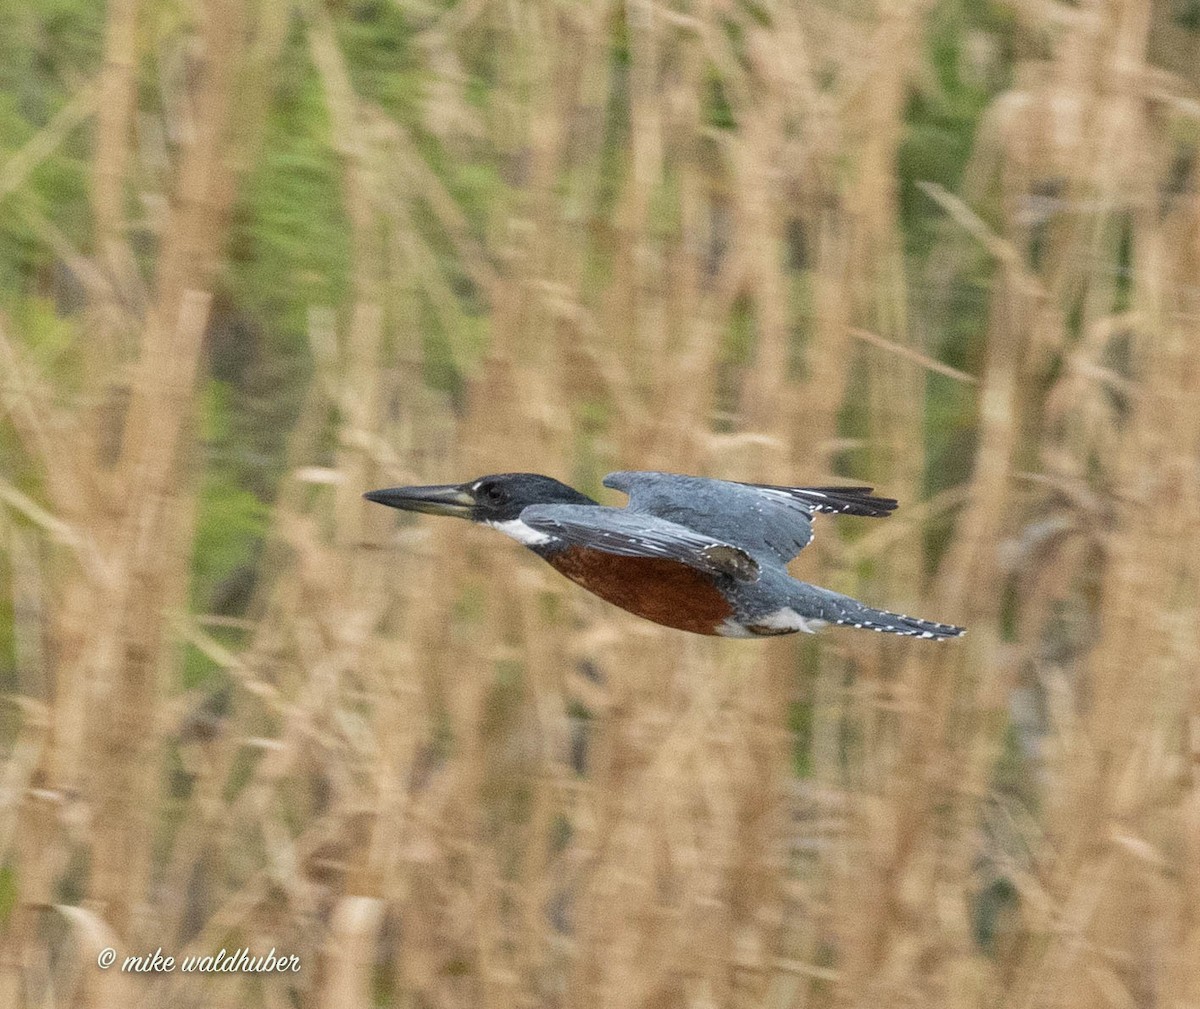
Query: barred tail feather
column 816, row 603
column 898, row 623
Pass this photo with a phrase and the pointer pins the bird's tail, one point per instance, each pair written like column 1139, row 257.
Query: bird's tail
column 834, row 608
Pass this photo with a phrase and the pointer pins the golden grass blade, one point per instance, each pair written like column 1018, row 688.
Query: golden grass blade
column 47, row 435
column 43, row 144
column 20, row 767
column 110, row 988
column 354, row 939
column 116, row 93
column 61, row 531
column 929, row 363
column 1002, row 250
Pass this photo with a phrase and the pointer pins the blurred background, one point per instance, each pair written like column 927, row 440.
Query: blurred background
column 257, row 257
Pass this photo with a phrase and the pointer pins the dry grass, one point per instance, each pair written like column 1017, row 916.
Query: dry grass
column 446, row 778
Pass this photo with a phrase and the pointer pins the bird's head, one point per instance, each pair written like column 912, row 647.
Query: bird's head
column 490, row 499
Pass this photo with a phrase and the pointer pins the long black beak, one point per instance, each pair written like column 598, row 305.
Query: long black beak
column 440, row 499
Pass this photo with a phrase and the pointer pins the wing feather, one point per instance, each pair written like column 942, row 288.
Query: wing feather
column 767, row 521
column 628, row 534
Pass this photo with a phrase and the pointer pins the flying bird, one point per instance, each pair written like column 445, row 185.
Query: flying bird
column 701, row 555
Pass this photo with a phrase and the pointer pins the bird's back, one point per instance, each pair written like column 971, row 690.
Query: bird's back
column 772, row 524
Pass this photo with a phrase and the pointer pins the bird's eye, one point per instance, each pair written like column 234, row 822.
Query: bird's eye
column 494, row 494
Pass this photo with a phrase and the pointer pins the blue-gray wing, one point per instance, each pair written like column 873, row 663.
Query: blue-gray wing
column 628, row 534
column 764, row 520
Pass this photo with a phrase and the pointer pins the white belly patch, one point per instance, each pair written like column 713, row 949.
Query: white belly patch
column 783, row 621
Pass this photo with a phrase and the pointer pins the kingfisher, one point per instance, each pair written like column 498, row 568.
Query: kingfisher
column 697, row 554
